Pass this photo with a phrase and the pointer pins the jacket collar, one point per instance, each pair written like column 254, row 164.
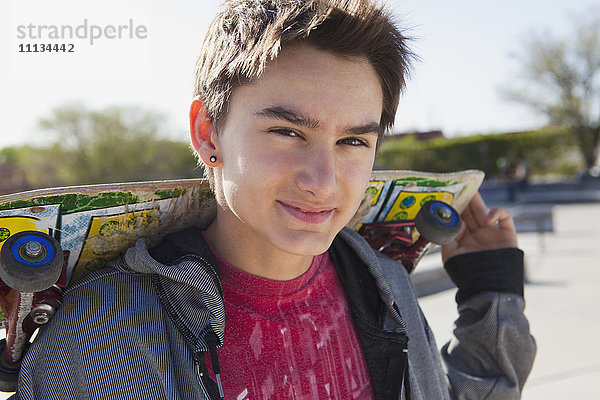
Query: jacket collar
column 187, row 280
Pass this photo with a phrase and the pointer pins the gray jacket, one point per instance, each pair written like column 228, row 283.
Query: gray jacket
column 140, row 328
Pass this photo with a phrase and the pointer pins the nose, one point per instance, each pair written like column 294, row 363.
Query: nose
column 317, row 174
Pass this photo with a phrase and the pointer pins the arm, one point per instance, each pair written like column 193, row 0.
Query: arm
column 492, row 351
column 53, row 365
column 105, row 342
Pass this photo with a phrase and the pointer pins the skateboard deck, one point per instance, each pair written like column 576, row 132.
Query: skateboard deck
column 95, row 224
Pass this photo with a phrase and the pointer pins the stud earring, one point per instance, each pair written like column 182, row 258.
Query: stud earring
column 213, row 159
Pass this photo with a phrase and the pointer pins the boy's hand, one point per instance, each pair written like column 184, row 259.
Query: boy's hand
column 482, row 230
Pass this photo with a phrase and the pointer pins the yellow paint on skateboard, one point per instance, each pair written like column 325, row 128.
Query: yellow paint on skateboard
column 408, row 204
column 108, row 235
column 374, row 191
column 12, row 225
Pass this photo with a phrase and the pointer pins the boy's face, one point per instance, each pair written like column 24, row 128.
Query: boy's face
column 297, row 148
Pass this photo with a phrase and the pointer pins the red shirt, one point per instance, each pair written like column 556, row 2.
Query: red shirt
column 290, row 339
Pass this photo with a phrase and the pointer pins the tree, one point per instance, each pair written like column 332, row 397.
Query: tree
column 562, row 81
column 115, row 144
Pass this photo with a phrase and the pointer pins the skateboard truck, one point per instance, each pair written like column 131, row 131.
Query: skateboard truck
column 42, row 313
column 32, row 278
column 407, row 241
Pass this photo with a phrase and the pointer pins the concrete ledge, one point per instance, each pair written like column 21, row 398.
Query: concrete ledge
column 431, row 281
column 429, row 277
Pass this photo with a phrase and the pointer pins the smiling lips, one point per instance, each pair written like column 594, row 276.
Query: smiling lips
column 308, row 214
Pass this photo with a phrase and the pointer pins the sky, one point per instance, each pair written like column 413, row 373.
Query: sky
column 142, row 53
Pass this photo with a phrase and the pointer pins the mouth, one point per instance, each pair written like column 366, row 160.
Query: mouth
column 307, row 213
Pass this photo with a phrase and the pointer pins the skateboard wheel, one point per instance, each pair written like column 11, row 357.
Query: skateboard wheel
column 438, row 222
column 30, row 261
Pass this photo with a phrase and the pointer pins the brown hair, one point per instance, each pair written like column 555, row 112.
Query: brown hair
column 247, row 34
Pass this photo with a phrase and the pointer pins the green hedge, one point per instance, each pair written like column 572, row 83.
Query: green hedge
column 127, row 161
column 546, row 151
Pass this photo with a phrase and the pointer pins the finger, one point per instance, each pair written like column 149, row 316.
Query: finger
column 479, row 210
column 450, row 249
column 469, row 220
column 496, row 214
column 462, row 232
column 503, row 217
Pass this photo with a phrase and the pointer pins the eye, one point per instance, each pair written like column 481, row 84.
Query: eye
column 285, row 132
column 352, row 141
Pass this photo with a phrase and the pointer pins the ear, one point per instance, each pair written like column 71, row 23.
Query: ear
column 201, row 131
column 200, row 124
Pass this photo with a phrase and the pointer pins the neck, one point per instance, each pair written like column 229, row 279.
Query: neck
column 260, row 259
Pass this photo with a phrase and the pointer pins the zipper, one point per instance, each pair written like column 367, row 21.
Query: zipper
column 406, row 377
column 200, row 374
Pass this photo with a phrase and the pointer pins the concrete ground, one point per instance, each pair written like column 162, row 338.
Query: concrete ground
column 563, row 301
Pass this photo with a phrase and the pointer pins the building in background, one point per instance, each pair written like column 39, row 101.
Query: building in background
column 420, row 136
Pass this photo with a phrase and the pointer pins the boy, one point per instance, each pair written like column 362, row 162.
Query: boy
column 293, row 98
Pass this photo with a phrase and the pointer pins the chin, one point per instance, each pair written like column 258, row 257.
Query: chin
column 306, row 243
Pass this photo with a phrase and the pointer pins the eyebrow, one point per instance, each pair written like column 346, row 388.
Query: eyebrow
column 289, row 115
column 372, row 127
column 298, row 118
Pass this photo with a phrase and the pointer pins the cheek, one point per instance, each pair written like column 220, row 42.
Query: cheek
column 250, row 173
column 360, row 165
column 356, row 176
column 360, row 187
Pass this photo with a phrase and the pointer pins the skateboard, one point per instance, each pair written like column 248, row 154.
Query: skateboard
column 51, row 237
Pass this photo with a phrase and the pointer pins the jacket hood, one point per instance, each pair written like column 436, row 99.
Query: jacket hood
column 183, row 273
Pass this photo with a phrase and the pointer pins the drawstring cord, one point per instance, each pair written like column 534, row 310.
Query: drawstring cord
column 213, row 341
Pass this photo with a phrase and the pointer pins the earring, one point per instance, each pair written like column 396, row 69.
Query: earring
column 213, row 159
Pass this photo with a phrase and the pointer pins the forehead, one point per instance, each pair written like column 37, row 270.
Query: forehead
column 319, row 83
